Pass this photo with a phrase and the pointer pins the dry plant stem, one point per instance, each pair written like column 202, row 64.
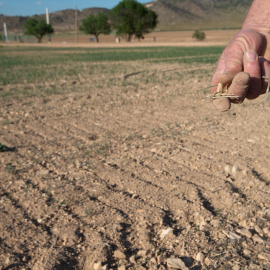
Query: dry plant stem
column 222, row 91
column 221, row 88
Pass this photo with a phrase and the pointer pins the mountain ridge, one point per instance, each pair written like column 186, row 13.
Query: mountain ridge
column 200, row 14
column 172, row 15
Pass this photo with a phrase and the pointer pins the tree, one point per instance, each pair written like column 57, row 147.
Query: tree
column 131, row 18
column 96, row 25
column 199, row 35
column 37, row 28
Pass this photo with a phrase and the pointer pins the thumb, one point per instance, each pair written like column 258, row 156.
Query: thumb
column 238, row 88
column 222, row 104
column 252, row 67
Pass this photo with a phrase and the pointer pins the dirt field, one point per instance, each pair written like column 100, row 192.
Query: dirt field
column 174, row 38
column 136, row 175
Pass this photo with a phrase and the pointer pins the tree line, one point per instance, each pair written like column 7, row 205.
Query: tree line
column 129, row 19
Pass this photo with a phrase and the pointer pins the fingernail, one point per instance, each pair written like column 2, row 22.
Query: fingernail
column 251, row 56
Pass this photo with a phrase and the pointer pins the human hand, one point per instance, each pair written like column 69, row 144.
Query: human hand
column 240, row 67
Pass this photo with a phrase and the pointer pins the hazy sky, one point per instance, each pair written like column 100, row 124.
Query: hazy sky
column 32, row 7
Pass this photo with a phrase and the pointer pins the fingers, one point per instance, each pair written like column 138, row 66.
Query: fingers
column 240, row 86
column 219, row 70
column 233, row 67
column 265, row 69
column 233, row 61
column 257, row 67
column 240, row 67
column 252, row 67
column 248, row 83
column 222, row 104
column 227, row 68
column 229, row 64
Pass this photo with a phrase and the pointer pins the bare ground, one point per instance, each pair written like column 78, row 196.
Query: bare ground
column 173, row 38
column 128, row 177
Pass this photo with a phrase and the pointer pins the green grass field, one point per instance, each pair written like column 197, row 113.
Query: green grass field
column 41, row 66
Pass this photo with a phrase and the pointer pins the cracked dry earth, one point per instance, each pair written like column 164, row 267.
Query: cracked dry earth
column 152, row 178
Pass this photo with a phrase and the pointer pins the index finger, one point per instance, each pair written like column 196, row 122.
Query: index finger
column 219, row 70
column 229, row 65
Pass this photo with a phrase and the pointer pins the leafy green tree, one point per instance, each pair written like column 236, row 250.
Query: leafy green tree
column 37, row 28
column 199, row 35
column 130, row 18
column 96, row 25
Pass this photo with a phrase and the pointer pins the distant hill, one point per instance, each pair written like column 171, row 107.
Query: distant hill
column 200, row 14
column 172, row 15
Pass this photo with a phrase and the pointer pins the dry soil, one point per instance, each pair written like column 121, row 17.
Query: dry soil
column 131, row 176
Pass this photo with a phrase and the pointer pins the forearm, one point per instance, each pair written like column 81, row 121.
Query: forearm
column 258, row 17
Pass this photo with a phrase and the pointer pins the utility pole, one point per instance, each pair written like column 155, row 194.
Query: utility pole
column 48, row 22
column 76, row 24
column 5, row 31
column 228, row 19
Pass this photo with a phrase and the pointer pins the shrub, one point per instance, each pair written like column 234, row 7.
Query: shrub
column 199, row 35
column 3, row 147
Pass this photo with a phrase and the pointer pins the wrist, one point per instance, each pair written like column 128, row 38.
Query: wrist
column 258, row 17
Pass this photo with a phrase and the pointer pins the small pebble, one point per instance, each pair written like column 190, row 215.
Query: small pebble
column 252, row 224
column 43, row 173
column 165, row 232
column 234, row 171
column 161, row 259
column 244, row 232
column 176, row 263
column 153, row 260
column 264, row 256
column 119, row 255
column 200, row 257
column 246, row 252
column 142, row 253
column 232, row 235
column 97, row 266
column 227, row 169
column 244, row 224
column 207, row 261
column 215, row 223
column 266, row 231
column 117, row 227
column 132, row 259
column 258, row 230
column 257, row 239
